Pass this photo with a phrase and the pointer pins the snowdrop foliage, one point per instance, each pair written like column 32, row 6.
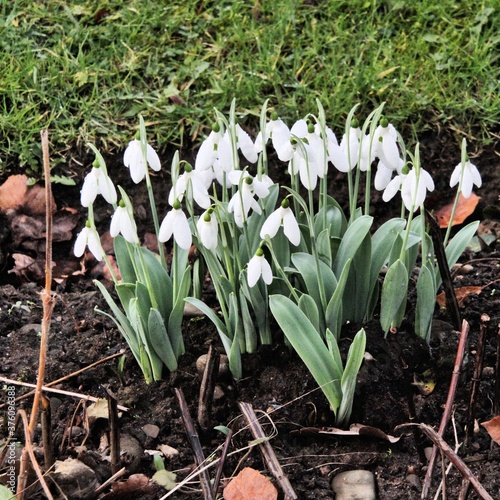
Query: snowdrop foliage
column 324, row 260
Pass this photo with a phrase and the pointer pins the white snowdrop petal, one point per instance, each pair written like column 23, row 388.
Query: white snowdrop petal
column 267, row 273
column 81, row 242
column 271, row 224
column 95, row 245
column 166, row 227
column 153, row 158
column 254, row 270
column 291, row 226
column 89, row 190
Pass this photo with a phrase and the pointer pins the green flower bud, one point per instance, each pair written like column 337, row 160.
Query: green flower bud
column 96, row 163
column 122, row 203
column 259, row 252
column 207, row 217
column 285, row 203
column 274, row 116
column 216, row 127
column 138, row 135
column 354, row 123
column 87, row 224
column 188, row 168
column 384, row 122
column 406, row 169
column 249, row 179
column 177, row 205
column 310, row 127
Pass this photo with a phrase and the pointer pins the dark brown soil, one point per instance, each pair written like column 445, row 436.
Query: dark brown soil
column 275, row 380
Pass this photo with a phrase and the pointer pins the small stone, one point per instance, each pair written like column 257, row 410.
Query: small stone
column 151, row 430
column 201, row 363
column 414, row 481
column 354, row 485
column 488, row 371
column 218, row 393
column 428, row 452
column 75, row 479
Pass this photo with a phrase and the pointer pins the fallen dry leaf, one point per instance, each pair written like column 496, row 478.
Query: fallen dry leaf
column 354, row 430
column 493, row 428
column 465, row 207
column 461, row 293
column 136, row 486
column 250, row 484
column 12, row 192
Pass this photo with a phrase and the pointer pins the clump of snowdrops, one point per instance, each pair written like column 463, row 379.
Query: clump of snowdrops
column 286, row 251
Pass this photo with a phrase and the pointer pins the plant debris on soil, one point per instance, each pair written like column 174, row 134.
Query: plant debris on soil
column 400, row 374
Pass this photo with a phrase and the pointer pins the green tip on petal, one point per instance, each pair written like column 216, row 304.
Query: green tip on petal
column 384, row 122
column 354, row 123
column 285, row 203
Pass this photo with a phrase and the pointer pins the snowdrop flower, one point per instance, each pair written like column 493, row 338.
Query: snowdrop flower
column 280, row 137
column 134, row 160
column 192, row 182
column 207, row 154
column 343, row 156
column 245, row 145
column 386, row 138
column 122, row 222
column 257, row 267
column 303, row 162
column 97, row 182
column 469, row 178
column 283, row 216
column 208, row 229
column 243, row 201
column 413, row 190
column 88, row 237
column 175, row 223
column 384, row 174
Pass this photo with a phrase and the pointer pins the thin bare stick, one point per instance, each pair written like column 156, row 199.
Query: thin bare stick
column 109, row 481
column 73, row 374
column 194, row 440
column 496, row 401
column 28, row 446
column 454, row 458
column 47, row 298
column 448, row 407
column 223, row 456
column 476, row 378
column 57, row 391
column 114, row 433
column 267, row 451
column 48, row 444
column 207, row 390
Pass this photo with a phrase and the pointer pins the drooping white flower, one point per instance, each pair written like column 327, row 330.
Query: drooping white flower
column 470, row 177
column 175, row 223
column 259, row 267
column 97, row 182
column 414, row 190
column 303, row 162
column 192, row 182
column 122, row 222
column 246, row 145
column 208, row 149
column 208, row 229
column 134, row 160
column 243, row 201
column 280, row 137
column 384, row 174
column 343, row 156
column 386, row 143
column 88, row 237
column 283, row 216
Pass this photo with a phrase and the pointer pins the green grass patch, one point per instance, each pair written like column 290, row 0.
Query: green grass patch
column 86, row 70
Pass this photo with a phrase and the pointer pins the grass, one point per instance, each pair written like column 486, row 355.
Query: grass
column 86, row 69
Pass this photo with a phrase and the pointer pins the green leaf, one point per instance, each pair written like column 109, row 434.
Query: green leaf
column 426, row 300
column 6, row 494
column 124, row 260
column 334, row 317
column 308, row 306
column 306, row 340
column 351, row 370
column 248, row 325
column 324, row 247
column 394, row 291
column 351, row 241
column 176, row 316
column 160, row 341
column 166, row 479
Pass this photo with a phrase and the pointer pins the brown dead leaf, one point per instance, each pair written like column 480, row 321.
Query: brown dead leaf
column 493, row 428
column 250, row 484
column 136, row 486
column 465, row 207
column 354, row 430
column 34, row 201
column 461, row 293
column 26, row 268
column 13, row 192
